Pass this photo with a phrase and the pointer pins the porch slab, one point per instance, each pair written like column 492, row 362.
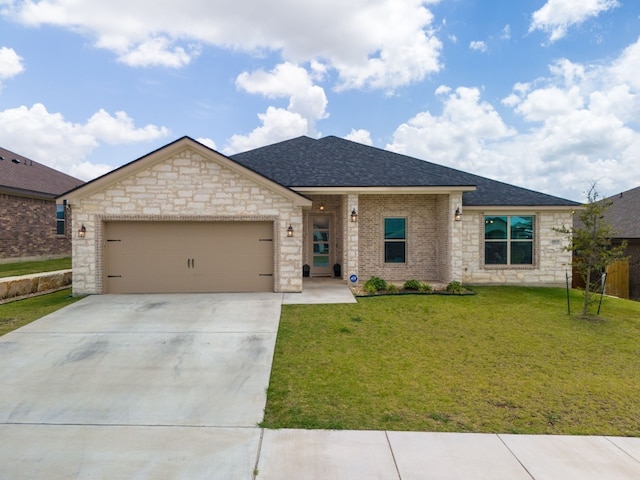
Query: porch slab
column 320, row 291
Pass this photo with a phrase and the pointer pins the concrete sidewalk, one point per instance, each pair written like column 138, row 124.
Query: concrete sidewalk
column 191, row 453
column 306, row 454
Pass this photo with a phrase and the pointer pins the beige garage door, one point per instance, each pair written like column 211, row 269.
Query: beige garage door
column 180, row 257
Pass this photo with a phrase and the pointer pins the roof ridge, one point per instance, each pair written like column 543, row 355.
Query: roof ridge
column 472, row 176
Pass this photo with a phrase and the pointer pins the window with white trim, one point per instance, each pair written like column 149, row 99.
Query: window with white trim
column 508, row 239
column 395, row 240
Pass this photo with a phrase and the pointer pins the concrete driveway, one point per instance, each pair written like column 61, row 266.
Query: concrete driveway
column 171, row 387
column 116, row 380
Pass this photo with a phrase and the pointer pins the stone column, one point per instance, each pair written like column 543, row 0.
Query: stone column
column 350, row 236
column 455, row 236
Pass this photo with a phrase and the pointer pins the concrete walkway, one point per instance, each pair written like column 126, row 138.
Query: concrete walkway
column 172, row 387
column 43, row 451
column 337, row 455
column 320, row 291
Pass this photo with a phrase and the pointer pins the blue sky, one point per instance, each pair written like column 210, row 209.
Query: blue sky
column 543, row 94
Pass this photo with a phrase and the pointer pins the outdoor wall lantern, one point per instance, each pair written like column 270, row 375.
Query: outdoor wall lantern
column 354, row 215
column 322, row 207
column 82, row 232
column 290, row 231
column 458, row 215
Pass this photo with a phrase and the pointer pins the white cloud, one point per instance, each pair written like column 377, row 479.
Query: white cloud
column 360, row 136
column 288, row 80
column 552, row 101
column 506, row 33
column 158, row 51
column 458, row 136
column 277, row 124
column 587, row 125
column 207, row 142
column 10, row 64
column 397, row 46
column 120, row 129
column 307, row 105
column 557, row 16
column 50, row 139
column 374, row 43
column 625, row 68
column 478, row 46
column 580, row 125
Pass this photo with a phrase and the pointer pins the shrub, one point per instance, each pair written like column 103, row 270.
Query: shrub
column 425, row 288
column 412, row 285
column 455, row 287
column 375, row 284
column 391, row 288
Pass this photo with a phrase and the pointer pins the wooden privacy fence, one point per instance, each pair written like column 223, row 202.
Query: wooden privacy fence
column 618, row 279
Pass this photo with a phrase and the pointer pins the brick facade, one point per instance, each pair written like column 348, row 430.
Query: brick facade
column 633, row 253
column 428, row 222
column 28, row 230
column 186, row 186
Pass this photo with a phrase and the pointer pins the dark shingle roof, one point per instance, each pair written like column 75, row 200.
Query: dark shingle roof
column 624, row 214
column 23, row 176
column 335, row 162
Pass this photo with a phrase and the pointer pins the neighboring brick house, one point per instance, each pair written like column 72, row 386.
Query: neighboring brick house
column 186, row 218
column 624, row 217
column 32, row 226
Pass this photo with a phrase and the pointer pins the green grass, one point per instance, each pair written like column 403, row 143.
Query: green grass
column 21, row 312
column 25, row 268
column 508, row 359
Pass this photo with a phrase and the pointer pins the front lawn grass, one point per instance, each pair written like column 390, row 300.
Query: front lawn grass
column 507, row 360
column 25, row 268
column 21, row 312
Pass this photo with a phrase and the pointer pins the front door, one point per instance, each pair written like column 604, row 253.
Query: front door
column 321, row 252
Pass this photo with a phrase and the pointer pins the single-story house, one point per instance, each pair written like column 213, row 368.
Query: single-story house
column 624, row 217
column 186, row 218
column 32, row 225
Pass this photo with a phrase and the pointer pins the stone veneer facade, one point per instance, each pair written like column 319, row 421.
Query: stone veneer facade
column 186, row 186
column 551, row 259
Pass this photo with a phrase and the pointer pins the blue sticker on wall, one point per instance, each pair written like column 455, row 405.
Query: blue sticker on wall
column 353, row 278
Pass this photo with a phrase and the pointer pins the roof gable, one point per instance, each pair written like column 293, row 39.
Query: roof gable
column 335, row 162
column 22, row 176
column 148, row 161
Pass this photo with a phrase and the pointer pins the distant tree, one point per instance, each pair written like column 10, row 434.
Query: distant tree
column 590, row 243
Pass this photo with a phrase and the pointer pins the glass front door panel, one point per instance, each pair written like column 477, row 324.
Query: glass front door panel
column 321, row 248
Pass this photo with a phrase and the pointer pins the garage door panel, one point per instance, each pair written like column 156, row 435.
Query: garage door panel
column 148, row 274
column 163, row 257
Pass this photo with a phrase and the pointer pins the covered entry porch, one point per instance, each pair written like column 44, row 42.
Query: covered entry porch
column 395, row 236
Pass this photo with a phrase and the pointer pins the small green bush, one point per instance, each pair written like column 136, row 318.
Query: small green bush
column 412, row 285
column 425, row 288
column 455, row 287
column 375, row 284
column 391, row 288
